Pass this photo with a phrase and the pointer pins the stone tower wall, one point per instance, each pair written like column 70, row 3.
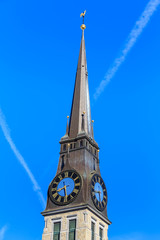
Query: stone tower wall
column 83, row 225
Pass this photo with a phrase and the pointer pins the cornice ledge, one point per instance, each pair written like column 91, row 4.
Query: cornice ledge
column 68, row 140
column 70, row 209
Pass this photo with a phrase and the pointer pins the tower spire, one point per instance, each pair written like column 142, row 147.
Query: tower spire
column 81, row 101
column 78, row 187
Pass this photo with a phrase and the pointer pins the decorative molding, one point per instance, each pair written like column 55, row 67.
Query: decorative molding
column 82, row 207
column 72, row 216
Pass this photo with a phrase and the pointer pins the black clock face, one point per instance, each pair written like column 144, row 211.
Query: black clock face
column 98, row 192
column 65, row 187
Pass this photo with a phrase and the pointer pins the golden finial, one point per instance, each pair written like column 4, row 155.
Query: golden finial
column 83, row 26
column 67, row 128
column 98, row 150
column 68, row 149
column 83, row 14
column 92, row 129
column 84, row 112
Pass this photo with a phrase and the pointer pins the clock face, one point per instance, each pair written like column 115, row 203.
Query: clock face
column 98, row 192
column 65, row 187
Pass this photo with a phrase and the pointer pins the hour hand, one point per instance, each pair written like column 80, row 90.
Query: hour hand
column 60, row 189
column 97, row 191
column 99, row 196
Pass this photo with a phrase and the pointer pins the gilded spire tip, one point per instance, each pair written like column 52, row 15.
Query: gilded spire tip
column 83, row 26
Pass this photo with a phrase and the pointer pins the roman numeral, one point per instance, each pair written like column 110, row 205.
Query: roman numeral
column 93, row 182
column 76, row 178
column 60, row 177
column 59, row 199
column 95, row 178
column 75, row 190
column 55, row 195
column 66, row 174
column 77, row 184
column 71, row 196
column 72, row 174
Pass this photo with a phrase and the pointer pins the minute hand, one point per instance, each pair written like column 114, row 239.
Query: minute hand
column 99, row 193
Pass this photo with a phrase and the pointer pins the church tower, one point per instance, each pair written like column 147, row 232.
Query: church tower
column 77, row 198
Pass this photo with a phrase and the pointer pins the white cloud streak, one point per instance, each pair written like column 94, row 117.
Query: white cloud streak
column 131, row 40
column 21, row 160
column 3, row 231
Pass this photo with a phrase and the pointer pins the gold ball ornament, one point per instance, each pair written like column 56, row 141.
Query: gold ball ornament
column 83, row 26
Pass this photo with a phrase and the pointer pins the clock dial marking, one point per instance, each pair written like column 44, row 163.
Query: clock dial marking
column 66, row 174
column 65, row 187
column 98, row 192
column 55, row 195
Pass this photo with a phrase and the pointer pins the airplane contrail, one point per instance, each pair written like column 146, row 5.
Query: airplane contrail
column 6, row 133
column 3, row 231
column 131, row 40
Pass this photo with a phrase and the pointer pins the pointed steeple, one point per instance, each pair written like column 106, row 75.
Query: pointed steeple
column 79, row 153
column 81, row 101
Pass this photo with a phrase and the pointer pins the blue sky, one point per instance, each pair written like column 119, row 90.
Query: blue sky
column 39, row 47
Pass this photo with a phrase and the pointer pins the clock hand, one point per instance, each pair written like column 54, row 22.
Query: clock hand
column 95, row 191
column 99, row 196
column 60, row 189
column 99, row 193
column 65, row 191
